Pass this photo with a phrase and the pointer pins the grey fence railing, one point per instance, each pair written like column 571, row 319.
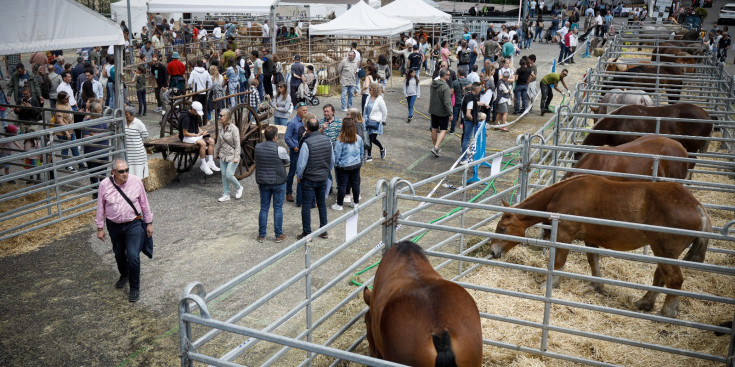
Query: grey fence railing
column 303, row 306
column 44, row 191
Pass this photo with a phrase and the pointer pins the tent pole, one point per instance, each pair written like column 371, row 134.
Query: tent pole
column 119, row 95
column 390, row 58
column 130, row 34
column 520, row 9
column 273, row 29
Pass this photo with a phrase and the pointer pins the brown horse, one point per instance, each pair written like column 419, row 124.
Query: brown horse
column 418, row 318
column 648, row 144
column 656, row 203
column 672, row 87
column 680, row 110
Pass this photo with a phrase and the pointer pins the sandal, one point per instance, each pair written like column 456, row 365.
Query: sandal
column 504, row 129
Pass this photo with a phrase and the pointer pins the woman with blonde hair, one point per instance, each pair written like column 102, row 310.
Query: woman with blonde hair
column 227, row 149
column 348, row 153
column 217, row 91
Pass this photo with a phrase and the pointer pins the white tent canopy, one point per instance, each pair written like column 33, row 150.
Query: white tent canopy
column 362, row 20
column 62, row 24
column 210, row 6
column 416, row 11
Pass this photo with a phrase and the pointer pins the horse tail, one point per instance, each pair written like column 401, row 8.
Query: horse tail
column 699, row 247
column 444, row 353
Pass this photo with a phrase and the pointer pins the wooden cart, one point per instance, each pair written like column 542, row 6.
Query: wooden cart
column 185, row 155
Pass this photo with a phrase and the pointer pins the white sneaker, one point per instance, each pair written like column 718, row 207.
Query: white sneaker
column 353, row 205
column 238, row 194
column 213, row 166
column 205, row 168
column 336, row 206
column 348, row 199
column 224, row 198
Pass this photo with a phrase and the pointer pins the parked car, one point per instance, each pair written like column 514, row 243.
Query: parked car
column 727, row 14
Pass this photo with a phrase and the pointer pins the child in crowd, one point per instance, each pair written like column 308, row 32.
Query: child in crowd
column 140, row 85
column 30, row 144
column 504, row 100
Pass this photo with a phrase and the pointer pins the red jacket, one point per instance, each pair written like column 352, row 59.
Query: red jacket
column 175, row 67
column 567, row 42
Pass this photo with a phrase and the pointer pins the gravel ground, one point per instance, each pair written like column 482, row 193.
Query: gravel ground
column 59, row 303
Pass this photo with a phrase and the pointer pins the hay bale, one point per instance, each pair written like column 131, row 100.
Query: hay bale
column 161, row 172
column 598, row 52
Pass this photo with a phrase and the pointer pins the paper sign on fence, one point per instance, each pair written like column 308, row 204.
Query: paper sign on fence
column 495, row 168
column 351, row 227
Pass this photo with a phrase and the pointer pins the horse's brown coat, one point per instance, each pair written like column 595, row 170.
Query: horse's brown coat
column 649, row 144
column 655, row 203
column 411, row 303
column 681, row 110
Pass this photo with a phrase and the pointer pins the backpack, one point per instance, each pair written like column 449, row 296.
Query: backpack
column 381, row 72
column 464, row 57
column 244, row 73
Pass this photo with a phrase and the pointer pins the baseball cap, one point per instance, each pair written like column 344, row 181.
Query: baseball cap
column 197, row 106
column 415, row 47
column 11, row 129
column 175, row 55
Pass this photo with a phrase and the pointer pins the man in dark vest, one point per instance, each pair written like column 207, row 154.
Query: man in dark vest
column 270, row 175
column 316, row 160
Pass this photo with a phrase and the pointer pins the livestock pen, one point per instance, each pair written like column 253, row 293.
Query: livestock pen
column 303, row 306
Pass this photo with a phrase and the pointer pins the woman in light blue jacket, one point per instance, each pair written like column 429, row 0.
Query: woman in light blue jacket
column 281, row 104
column 348, row 154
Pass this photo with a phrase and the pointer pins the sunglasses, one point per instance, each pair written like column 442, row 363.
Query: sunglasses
column 301, row 104
column 121, row 171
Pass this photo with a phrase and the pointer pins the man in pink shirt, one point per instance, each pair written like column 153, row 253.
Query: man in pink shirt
column 124, row 223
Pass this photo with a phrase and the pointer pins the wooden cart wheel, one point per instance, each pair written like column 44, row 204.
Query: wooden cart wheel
column 251, row 133
column 170, row 121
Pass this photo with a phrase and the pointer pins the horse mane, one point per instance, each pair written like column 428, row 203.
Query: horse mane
column 560, row 183
column 407, row 248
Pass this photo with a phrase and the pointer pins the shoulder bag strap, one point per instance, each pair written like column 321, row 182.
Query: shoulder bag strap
column 125, row 197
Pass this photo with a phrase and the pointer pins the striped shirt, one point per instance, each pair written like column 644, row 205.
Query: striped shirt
column 136, row 154
column 111, row 205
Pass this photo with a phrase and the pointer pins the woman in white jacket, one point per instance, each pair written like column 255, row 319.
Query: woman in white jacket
column 375, row 113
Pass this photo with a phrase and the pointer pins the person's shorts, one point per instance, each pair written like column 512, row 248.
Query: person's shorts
column 503, row 107
column 191, row 139
column 439, row 122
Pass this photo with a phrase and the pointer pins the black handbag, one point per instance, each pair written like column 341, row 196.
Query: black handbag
column 147, row 247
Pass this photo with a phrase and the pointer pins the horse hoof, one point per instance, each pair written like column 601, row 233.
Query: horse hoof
column 668, row 313
column 599, row 288
column 644, row 305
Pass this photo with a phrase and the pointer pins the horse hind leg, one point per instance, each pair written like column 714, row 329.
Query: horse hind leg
column 673, row 279
column 647, row 301
column 594, row 260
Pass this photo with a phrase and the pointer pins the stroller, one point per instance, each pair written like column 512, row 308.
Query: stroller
column 547, row 35
column 307, row 91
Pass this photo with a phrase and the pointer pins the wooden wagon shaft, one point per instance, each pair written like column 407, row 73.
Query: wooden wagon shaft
column 230, row 96
column 190, row 94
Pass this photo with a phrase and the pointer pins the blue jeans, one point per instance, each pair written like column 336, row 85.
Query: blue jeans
column 469, row 131
column 142, row 104
column 521, row 92
column 74, row 149
column 527, row 41
column 127, row 240
column 347, row 91
column 562, row 52
column 473, row 60
column 280, row 120
column 260, row 87
column 227, row 169
column 111, row 95
column 289, row 178
column 313, row 191
column 455, row 114
column 538, row 34
column 278, row 194
column 411, row 101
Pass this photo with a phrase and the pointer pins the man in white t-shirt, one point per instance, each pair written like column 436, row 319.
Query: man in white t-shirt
column 532, row 9
column 266, row 36
column 598, row 25
column 217, row 32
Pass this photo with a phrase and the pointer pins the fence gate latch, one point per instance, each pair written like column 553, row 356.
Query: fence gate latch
column 392, row 220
